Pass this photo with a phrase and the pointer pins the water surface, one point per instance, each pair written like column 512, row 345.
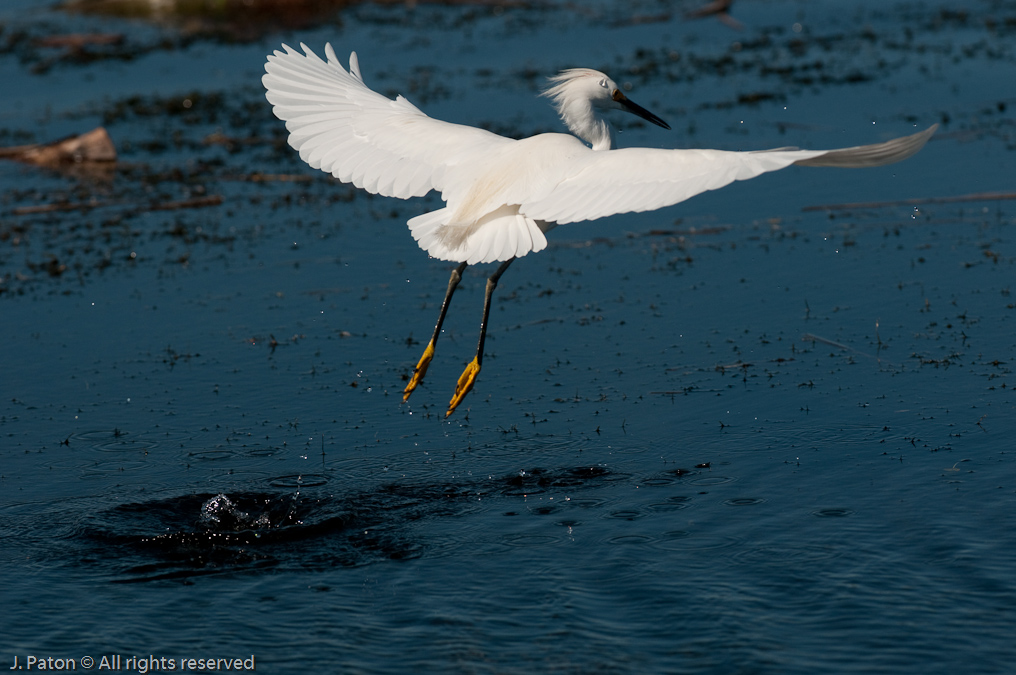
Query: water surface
column 767, row 430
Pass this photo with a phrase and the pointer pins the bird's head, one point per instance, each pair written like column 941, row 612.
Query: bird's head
column 581, row 95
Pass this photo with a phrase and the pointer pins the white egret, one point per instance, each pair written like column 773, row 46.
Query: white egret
column 503, row 195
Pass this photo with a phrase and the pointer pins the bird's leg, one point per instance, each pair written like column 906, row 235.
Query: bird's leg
column 428, row 353
column 468, row 376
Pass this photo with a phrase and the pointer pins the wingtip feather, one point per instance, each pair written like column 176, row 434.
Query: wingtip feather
column 877, row 154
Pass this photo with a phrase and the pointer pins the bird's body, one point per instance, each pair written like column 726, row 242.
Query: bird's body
column 503, row 195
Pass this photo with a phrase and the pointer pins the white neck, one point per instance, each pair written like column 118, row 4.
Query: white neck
column 583, row 121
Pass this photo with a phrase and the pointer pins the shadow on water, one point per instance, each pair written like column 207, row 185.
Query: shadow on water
column 203, row 534
column 192, row 535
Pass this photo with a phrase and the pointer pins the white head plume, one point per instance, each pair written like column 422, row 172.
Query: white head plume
column 581, row 95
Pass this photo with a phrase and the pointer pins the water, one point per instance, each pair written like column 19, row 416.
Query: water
column 737, row 435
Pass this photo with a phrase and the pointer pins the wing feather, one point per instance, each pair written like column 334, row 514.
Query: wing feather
column 600, row 184
column 878, row 154
column 341, row 126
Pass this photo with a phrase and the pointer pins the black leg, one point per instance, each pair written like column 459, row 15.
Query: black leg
column 428, row 353
column 465, row 383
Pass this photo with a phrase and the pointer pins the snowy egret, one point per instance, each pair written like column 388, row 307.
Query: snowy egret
column 503, row 195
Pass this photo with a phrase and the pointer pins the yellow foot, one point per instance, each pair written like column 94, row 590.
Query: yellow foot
column 421, row 370
column 464, row 386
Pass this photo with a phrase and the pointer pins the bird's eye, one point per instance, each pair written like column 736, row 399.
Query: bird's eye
column 603, row 83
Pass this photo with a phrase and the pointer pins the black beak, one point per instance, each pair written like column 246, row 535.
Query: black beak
column 636, row 109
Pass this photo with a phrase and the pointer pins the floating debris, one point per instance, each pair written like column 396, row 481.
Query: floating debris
column 718, row 8
column 247, row 18
column 93, row 146
column 78, row 41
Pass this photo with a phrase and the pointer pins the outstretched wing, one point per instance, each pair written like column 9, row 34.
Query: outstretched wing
column 341, row 126
column 600, row 184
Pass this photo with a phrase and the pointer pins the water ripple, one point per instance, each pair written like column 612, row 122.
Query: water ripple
column 630, row 540
column 784, row 554
column 679, row 540
column 743, row 501
column 305, row 480
column 212, row 455
column 529, row 540
column 625, row 514
column 832, row 513
column 712, row 480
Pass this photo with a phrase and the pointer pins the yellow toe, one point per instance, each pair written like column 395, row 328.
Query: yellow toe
column 464, row 385
column 421, row 370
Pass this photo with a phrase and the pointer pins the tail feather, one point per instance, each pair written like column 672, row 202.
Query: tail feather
column 498, row 236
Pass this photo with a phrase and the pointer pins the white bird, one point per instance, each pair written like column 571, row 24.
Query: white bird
column 502, row 195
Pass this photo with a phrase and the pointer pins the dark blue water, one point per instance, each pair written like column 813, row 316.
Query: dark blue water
column 740, row 435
